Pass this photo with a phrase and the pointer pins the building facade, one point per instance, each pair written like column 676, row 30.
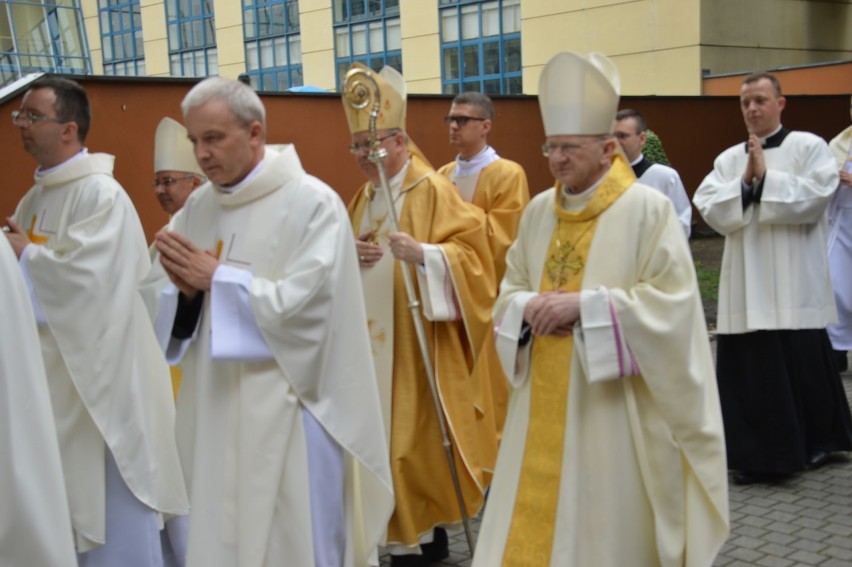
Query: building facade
column 662, row 47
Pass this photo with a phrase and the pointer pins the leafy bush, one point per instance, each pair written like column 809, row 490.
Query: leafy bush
column 653, row 150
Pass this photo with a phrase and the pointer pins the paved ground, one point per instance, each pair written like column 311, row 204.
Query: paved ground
column 804, row 521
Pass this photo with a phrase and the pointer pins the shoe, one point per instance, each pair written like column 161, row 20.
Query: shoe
column 744, row 478
column 817, row 459
column 439, row 549
column 410, row 561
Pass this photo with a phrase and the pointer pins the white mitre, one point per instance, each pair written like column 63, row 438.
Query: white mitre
column 172, row 149
column 578, row 95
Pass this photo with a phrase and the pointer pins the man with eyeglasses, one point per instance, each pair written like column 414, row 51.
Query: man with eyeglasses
column 176, row 173
column 82, row 251
column 442, row 240
column 496, row 185
column 613, row 450
column 631, row 132
column 176, row 176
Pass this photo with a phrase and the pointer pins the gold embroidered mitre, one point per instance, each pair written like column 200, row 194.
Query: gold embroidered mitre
column 392, row 99
column 392, row 102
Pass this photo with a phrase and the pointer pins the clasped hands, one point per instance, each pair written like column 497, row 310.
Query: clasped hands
column 553, row 313
column 402, row 246
column 189, row 267
column 756, row 166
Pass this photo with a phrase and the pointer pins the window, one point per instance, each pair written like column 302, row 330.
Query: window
column 121, row 37
column 42, row 36
column 273, row 44
column 368, row 32
column 192, row 38
column 481, row 46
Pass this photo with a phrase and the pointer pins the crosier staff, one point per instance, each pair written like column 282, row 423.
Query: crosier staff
column 360, row 90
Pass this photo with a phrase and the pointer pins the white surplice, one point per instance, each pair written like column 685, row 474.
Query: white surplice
column 643, row 480
column 108, row 380
column 36, row 525
column 281, row 348
column 774, row 267
column 667, row 181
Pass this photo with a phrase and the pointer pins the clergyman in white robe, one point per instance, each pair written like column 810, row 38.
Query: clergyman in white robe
column 667, row 181
column 108, row 380
column 35, row 525
column 643, row 477
column 782, row 399
column 279, row 425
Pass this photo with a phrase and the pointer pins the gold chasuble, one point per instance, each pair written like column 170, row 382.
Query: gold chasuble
column 432, row 212
column 530, row 538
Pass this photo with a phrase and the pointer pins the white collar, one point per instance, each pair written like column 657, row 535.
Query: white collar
column 465, row 167
column 245, row 181
column 41, row 172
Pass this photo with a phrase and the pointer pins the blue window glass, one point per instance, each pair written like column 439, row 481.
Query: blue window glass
column 368, row 32
column 121, row 37
column 192, row 38
column 273, row 44
column 481, row 46
column 42, row 36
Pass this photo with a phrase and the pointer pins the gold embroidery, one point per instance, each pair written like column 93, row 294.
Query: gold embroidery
column 565, row 261
column 377, row 223
column 31, row 234
column 378, row 336
column 376, row 228
column 530, row 539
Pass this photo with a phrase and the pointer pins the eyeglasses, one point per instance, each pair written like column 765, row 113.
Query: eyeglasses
column 27, row 118
column 461, row 120
column 169, row 181
column 354, row 147
column 552, row 149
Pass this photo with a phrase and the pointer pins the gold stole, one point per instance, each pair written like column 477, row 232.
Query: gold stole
column 530, row 538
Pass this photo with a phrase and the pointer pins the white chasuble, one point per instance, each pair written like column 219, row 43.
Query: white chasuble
column 643, row 479
column 377, row 282
column 240, row 423
column 35, row 528
column 107, row 377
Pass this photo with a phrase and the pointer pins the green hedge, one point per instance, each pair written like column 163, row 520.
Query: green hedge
column 654, row 151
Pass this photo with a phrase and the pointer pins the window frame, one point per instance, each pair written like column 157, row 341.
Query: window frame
column 201, row 56
column 128, row 65
column 349, row 27
column 54, row 56
column 503, row 40
column 281, row 75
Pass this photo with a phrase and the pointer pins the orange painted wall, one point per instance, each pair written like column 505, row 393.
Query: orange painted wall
column 693, row 129
column 822, row 79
